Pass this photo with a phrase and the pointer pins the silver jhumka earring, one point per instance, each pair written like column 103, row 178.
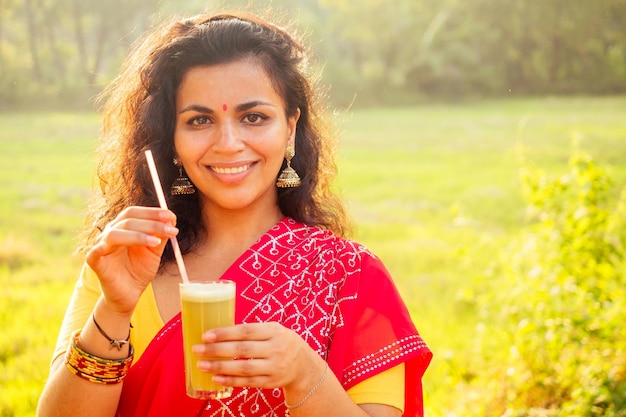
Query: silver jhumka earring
column 288, row 178
column 181, row 185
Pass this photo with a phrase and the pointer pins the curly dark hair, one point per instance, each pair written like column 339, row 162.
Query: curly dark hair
column 140, row 110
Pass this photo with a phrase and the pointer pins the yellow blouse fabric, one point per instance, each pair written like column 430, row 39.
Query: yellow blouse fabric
column 386, row 387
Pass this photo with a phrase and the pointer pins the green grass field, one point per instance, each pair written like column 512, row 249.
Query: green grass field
column 433, row 190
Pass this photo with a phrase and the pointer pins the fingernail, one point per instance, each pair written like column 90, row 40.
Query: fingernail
column 167, row 215
column 153, row 241
column 218, row 379
column 171, row 230
column 208, row 337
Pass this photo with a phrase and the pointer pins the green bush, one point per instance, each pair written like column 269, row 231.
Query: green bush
column 557, row 301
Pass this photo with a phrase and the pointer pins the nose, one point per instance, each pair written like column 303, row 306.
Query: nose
column 227, row 138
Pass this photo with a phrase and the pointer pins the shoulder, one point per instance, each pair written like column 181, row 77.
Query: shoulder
column 325, row 244
column 324, row 237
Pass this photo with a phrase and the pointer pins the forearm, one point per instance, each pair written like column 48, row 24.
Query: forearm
column 67, row 394
column 306, row 398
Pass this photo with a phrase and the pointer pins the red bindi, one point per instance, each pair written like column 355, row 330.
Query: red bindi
column 224, row 107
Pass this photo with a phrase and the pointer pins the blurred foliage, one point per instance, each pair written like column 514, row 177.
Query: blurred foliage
column 556, row 297
column 61, row 52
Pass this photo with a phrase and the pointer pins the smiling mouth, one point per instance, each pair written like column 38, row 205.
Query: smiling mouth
column 231, row 170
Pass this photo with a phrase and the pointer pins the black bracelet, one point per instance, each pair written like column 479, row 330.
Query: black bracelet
column 119, row 344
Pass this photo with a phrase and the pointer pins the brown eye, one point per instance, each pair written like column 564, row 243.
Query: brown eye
column 254, row 118
column 199, row 121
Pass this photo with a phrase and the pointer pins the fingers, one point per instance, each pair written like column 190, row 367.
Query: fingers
column 249, row 340
column 142, row 232
column 148, row 213
column 143, row 217
column 251, row 372
column 240, row 341
column 244, row 349
column 262, row 354
column 136, row 226
column 242, row 373
column 246, row 331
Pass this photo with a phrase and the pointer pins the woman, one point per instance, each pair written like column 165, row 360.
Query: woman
column 223, row 101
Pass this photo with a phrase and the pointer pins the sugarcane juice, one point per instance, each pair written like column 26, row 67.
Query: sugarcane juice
column 204, row 306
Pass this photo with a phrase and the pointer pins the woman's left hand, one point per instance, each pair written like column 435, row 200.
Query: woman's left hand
column 268, row 355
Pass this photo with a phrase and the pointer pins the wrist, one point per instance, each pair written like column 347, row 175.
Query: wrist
column 112, row 321
column 298, row 393
column 115, row 325
column 114, row 310
column 117, row 343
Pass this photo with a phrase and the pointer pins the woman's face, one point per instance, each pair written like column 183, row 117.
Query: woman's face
column 231, row 134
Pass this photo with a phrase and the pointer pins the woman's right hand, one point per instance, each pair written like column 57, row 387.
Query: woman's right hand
column 127, row 254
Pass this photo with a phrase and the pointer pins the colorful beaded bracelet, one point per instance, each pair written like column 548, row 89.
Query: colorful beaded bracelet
column 93, row 368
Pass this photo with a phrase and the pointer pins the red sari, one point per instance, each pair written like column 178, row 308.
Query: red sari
column 333, row 292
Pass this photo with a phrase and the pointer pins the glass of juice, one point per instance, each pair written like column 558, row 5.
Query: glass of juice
column 204, row 306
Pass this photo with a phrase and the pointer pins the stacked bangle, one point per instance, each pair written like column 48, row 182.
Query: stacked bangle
column 93, row 368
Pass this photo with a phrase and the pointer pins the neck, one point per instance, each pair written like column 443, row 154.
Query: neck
column 229, row 234
column 239, row 228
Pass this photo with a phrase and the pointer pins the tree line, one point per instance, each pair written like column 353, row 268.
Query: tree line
column 373, row 52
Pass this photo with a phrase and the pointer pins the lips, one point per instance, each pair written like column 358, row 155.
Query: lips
column 230, row 170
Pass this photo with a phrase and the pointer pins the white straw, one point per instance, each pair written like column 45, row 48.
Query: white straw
column 159, row 190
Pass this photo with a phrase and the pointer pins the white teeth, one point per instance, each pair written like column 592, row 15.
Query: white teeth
column 231, row 170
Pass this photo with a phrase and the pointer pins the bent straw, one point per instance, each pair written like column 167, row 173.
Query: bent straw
column 159, row 190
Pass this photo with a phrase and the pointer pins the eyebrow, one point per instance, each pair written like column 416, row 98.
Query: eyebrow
column 241, row 107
